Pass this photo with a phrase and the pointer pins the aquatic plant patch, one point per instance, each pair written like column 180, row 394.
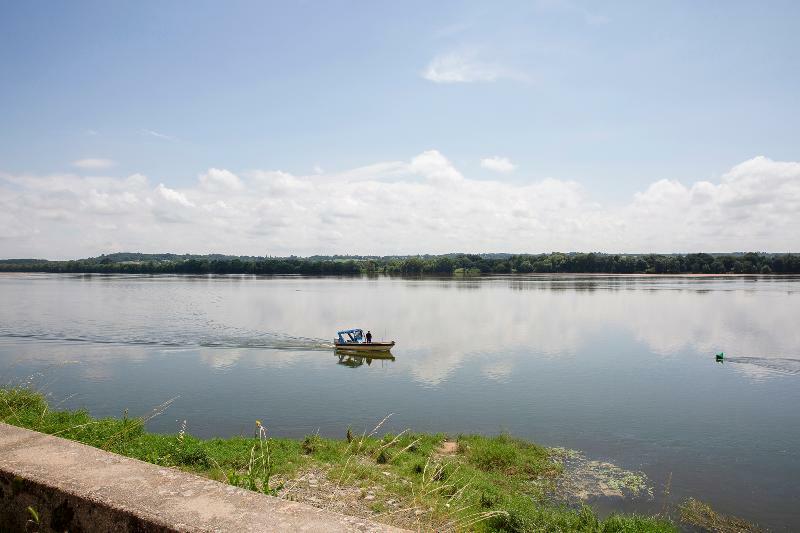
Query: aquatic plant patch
column 583, row 479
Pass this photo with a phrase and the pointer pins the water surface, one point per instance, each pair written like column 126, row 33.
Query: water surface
column 620, row 367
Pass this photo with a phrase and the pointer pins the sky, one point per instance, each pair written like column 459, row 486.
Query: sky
column 277, row 128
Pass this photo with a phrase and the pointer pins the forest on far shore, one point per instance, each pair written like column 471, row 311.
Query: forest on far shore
column 448, row 264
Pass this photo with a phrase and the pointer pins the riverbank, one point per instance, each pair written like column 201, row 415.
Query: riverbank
column 447, row 264
column 416, row 481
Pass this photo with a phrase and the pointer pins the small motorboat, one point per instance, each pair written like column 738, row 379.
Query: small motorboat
column 354, row 339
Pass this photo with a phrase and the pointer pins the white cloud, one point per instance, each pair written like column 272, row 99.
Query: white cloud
column 498, row 164
column 171, row 195
column 465, row 67
column 217, row 180
column 435, row 167
column 756, row 206
column 421, row 205
column 93, row 163
column 158, row 135
column 278, row 182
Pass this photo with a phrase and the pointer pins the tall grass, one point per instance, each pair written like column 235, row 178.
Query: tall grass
column 488, row 483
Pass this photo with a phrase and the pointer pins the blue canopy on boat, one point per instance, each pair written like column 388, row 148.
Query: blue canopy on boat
column 353, row 335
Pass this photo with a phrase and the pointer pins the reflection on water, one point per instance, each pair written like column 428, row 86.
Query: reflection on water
column 621, row 367
column 355, row 359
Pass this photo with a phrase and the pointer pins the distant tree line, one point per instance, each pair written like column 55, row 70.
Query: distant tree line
column 475, row 264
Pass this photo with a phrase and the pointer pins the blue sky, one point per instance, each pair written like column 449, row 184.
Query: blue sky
column 613, row 96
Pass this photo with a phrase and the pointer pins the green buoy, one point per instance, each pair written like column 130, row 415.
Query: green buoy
column 720, row 356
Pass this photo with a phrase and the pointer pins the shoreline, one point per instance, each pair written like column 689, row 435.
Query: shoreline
column 377, row 275
column 447, row 264
column 412, row 480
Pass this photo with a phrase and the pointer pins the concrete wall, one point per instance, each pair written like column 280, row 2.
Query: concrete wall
column 77, row 488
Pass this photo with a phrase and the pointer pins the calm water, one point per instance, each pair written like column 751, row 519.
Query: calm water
column 619, row 367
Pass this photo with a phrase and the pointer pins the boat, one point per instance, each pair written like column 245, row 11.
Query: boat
column 353, row 339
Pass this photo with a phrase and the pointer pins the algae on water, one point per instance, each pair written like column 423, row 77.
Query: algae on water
column 584, row 479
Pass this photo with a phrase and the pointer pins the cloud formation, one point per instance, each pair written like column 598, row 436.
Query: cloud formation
column 498, row 164
column 93, row 163
column 423, row 205
column 464, row 67
column 158, row 135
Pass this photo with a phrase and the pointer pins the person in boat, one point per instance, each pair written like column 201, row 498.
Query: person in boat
column 369, row 336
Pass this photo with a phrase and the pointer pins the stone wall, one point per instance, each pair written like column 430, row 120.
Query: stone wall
column 77, row 488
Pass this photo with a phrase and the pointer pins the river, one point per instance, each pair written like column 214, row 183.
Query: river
column 620, row 367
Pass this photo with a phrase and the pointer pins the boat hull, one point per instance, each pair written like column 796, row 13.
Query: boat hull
column 365, row 346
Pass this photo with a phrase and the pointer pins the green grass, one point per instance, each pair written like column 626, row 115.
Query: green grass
column 488, row 484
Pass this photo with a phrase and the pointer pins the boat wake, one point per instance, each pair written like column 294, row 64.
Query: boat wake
column 781, row 365
column 273, row 341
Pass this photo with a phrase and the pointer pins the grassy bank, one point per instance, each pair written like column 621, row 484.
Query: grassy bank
column 419, row 481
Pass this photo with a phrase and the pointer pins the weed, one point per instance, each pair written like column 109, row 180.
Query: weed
column 311, row 444
column 701, row 514
column 33, row 523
